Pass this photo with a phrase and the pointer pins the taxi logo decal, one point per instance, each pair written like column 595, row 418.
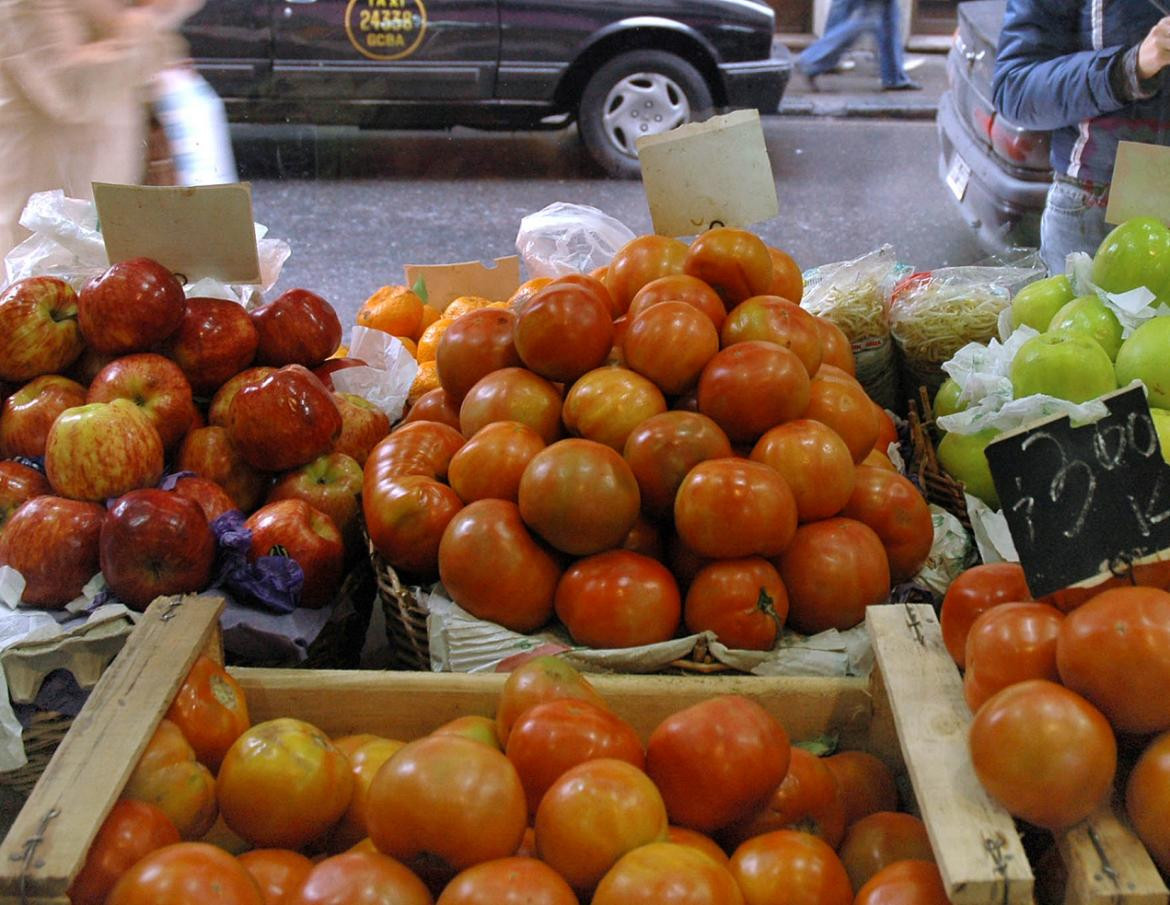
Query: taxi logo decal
column 385, row 29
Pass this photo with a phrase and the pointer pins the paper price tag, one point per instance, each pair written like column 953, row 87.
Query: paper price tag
column 446, row 282
column 1141, row 183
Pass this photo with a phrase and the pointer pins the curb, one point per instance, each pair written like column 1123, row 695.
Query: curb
column 857, row 109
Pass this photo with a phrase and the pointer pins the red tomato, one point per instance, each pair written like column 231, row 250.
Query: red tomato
column 898, row 513
column 1147, row 799
column 473, row 726
column 508, row 881
column 752, row 386
column 680, row 288
column 670, row 343
column 132, row 831
column 277, row 871
column 168, row 776
column 866, row 784
column 536, row 681
column 640, row 261
column 1010, row 643
column 405, row 519
column 833, row 570
column 417, row 448
column 728, row 508
column 592, row 815
column 606, row 404
column 667, row 872
column 513, row 394
column 1115, row 650
column 836, row 349
column 879, row 839
column 815, row 463
column 770, row 318
column 361, row 878
column 364, row 760
column 210, row 711
column 550, row 738
column 1043, row 752
column 905, row 883
column 695, row 839
column 645, row 538
column 493, row 568
column 743, row 601
column 887, row 429
column 618, row 599
column 662, row 449
column 489, row 465
column 475, row 344
column 733, row 262
column 977, row 589
column 434, row 405
column 787, row 280
column 716, row 761
column 847, row 410
column 787, row 867
column 562, row 309
column 183, row 873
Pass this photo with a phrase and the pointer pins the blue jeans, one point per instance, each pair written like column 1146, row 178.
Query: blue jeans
column 848, row 20
column 1073, row 220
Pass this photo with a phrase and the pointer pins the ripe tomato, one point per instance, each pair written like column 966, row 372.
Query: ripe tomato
column 680, row 287
column 974, row 590
column 417, row 448
column 183, row 873
column 283, row 784
column 790, row 867
column 361, row 878
column 815, row 463
column 733, row 262
column 833, row 570
column 752, row 386
column 716, row 761
column 670, row 343
column 559, row 310
column 1043, row 752
column 606, row 404
column 770, row 318
column 508, row 881
column 640, row 261
column 847, row 410
column 905, row 883
column 1115, row 650
column 434, row 405
column 132, row 831
column 536, row 681
column 743, row 601
column 210, row 711
column 645, row 538
column 593, row 814
column 364, row 761
column 618, row 599
column 447, row 796
column 866, row 784
column 898, row 513
column 787, row 280
column 1010, row 643
column 667, row 872
column 277, row 871
column 580, row 496
column 489, row 465
column 513, row 394
column 493, row 568
column 887, row 429
column 695, row 839
column 662, row 449
column 729, row 508
column 836, row 349
column 880, row 839
column 1147, row 799
column 168, row 776
column 475, row 344
column 405, row 520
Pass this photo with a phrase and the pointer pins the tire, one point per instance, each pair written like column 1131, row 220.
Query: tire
column 638, row 93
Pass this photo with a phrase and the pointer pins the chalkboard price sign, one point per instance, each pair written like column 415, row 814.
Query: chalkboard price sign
column 1083, row 502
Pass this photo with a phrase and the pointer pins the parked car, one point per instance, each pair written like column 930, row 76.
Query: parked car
column 621, row 69
column 997, row 172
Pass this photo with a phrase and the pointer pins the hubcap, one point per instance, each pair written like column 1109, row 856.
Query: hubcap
column 643, row 103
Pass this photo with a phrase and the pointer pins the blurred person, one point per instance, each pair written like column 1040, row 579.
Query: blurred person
column 847, row 21
column 1094, row 74
column 74, row 83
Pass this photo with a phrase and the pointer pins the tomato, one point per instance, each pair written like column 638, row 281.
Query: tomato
column 593, row 814
column 168, row 776
column 183, row 873
column 752, row 386
column 717, row 761
column 605, row 405
column 513, row 394
column 1147, row 799
column 808, row 800
column 815, row 463
column 448, row 797
column 210, row 711
column 788, row 867
column 787, row 279
column 1007, row 644
column 364, row 761
column 680, row 287
column 618, row 599
column 580, row 496
column 489, row 465
column 1043, row 752
column 132, row 830
column 283, row 784
column 836, row 349
column 640, row 261
column 667, row 872
column 277, row 871
column 770, row 318
column 701, row 841
column 493, row 567
column 887, row 429
column 361, row 878
column 905, row 883
column 536, row 681
column 847, row 410
column 877, row 459
column 733, row 262
column 974, row 590
column 663, row 448
column 879, row 839
column 645, row 538
column 728, row 508
column 551, row 737
column 898, row 513
column 833, row 570
column 866, row 784
column 670, row 343
column 416, row 448
column 434, row 405
column 406, row 518
column 475, row 344
column 743, row 601
column 508, row 881
column 559, row 310
column 473, row 726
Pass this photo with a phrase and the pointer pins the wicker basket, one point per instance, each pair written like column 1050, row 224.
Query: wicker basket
column 937, row 486
column 41, row 739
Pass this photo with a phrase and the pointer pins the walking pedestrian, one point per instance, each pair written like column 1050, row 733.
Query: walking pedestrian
column 848, row 21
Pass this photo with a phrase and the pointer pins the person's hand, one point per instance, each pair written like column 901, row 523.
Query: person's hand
column 170, row 14
column 1154, row 52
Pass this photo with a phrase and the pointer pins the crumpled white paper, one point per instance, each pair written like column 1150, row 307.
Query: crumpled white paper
column 564, row 238
column 386, row 377
column 1132, row 308
column 952, row 551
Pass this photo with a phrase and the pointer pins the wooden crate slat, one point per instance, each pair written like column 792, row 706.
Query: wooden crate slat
column 1107, row 863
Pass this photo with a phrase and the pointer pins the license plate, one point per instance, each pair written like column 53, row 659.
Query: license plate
column 958, row 175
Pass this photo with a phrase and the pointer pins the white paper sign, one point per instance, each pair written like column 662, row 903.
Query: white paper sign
column 1141, row 183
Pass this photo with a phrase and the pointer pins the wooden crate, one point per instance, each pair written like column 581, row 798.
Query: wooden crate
column 911, row 715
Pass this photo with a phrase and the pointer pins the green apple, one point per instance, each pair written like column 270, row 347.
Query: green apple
column 1162, row 429
column 1068, row 366
column 1088, row 314
column 1145, row 355
column 962, row 456
column 1135, row 253
column 1036, row 303
column 946, row 399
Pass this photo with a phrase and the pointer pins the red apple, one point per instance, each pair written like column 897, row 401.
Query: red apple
column 133, row 306
column 214, row 342
column 156, row 385
column 211, row 498
column 222, row 400
column 102, row 450
column 154, row 543
column 53, row 543
column 325, row 371
column 19, row 484
column 363, row 424
column 298, row 327
column 30, row 412
column 284, row 421
column 210, row 453
column 86, row 368
column 331, row 484
column 308, row 536
column 38, row 328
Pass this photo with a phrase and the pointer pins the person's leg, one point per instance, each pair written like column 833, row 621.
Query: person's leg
column 889, row 40
column 823, row 54
column 1073, row 220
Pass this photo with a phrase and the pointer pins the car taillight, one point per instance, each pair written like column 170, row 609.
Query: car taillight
column 1019, row 146
column 982, row 119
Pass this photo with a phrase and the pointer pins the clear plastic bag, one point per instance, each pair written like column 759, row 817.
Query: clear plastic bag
column 565, row 238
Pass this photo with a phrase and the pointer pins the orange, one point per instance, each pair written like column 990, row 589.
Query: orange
column 429, row 341
column 527, row 290
column 430, row 314
column 342, row 352
column 393, row 309
column 787, row 280
column 425, row 380
column 410, row 345
column 463, row 304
